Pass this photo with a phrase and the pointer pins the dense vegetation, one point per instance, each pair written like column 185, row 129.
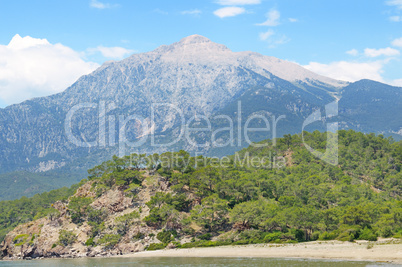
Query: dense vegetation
column 240, row 201
column 17, row 184
column 15, row 212
column 306, row 200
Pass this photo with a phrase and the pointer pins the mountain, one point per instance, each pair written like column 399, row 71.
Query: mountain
column 122, row 102
column 372, row 107
column 195, row 74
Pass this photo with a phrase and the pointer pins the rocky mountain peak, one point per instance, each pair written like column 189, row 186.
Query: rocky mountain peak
column 198, row 51
column 195, row 38
column 193, row 47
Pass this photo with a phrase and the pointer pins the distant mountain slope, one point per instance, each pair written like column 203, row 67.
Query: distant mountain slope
column 371, row 106
column 23, row 183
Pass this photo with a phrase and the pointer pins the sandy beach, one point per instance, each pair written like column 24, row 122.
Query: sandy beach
column 382, row 251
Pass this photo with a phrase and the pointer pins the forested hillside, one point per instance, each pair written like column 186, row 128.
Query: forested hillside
column 360, row 197
column 15, row 212
column 184, row 201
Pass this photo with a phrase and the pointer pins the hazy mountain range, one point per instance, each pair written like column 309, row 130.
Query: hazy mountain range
column 200, row 78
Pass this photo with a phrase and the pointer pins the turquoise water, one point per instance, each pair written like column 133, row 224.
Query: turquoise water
column 188, row 262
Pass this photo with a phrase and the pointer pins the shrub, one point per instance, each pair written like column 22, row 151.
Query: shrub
column 123, row 223
column 327, row 236
column 272, row 237
column 90, row 242
column 348, row 232
column 174, row 233
column 132, row 190
column 206, row 236
column 346, row 237
column 100, row 189
column 20, row 240
column 96, row 216
column 299, row 235
column 52, row 213
column 315, row 236
column 66, row 238
column 33, row 237
column 109, row 240
column 206, row 244
column 188, row 231
column 78, row 208
column 251, row 234
column 164, row 236
column 368, row 234
column 241, row 242
column 176, row 244
column 386, row 232
column 156, row 246
column 153, row 219
column 96, row 228
column 398, row 234
column 31, row 242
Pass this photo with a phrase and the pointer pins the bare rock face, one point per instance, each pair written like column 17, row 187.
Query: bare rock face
column 41, row 238
column 60, row 207
column 114, row 201
column 85, row 191
column 130, row 247
column 33, row 239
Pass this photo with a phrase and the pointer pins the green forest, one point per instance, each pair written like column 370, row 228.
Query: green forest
column 16, row 212
column 241, row 201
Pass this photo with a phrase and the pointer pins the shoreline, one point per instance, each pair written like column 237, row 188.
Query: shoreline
column 384, row 251
column 319, row 250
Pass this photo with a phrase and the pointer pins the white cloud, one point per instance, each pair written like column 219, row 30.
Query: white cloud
column 273, row 17
column 397, row 42
column 100, row 5
column 369, row 52
column 272, row 39
column 265, row 35
column 293, row 20
column 352, row 52
column 31, row 67
column 111, row 52
column 283, row 39
column 160, row 11
column 229, row 11
column 192, row 12
column 238, row 2
column 397, row 3
column 395, row 18
column 349, row 71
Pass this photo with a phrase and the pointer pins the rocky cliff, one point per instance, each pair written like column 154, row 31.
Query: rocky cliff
column 57, row 235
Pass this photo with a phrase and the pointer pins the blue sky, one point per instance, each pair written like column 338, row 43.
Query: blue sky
column 58, row 41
